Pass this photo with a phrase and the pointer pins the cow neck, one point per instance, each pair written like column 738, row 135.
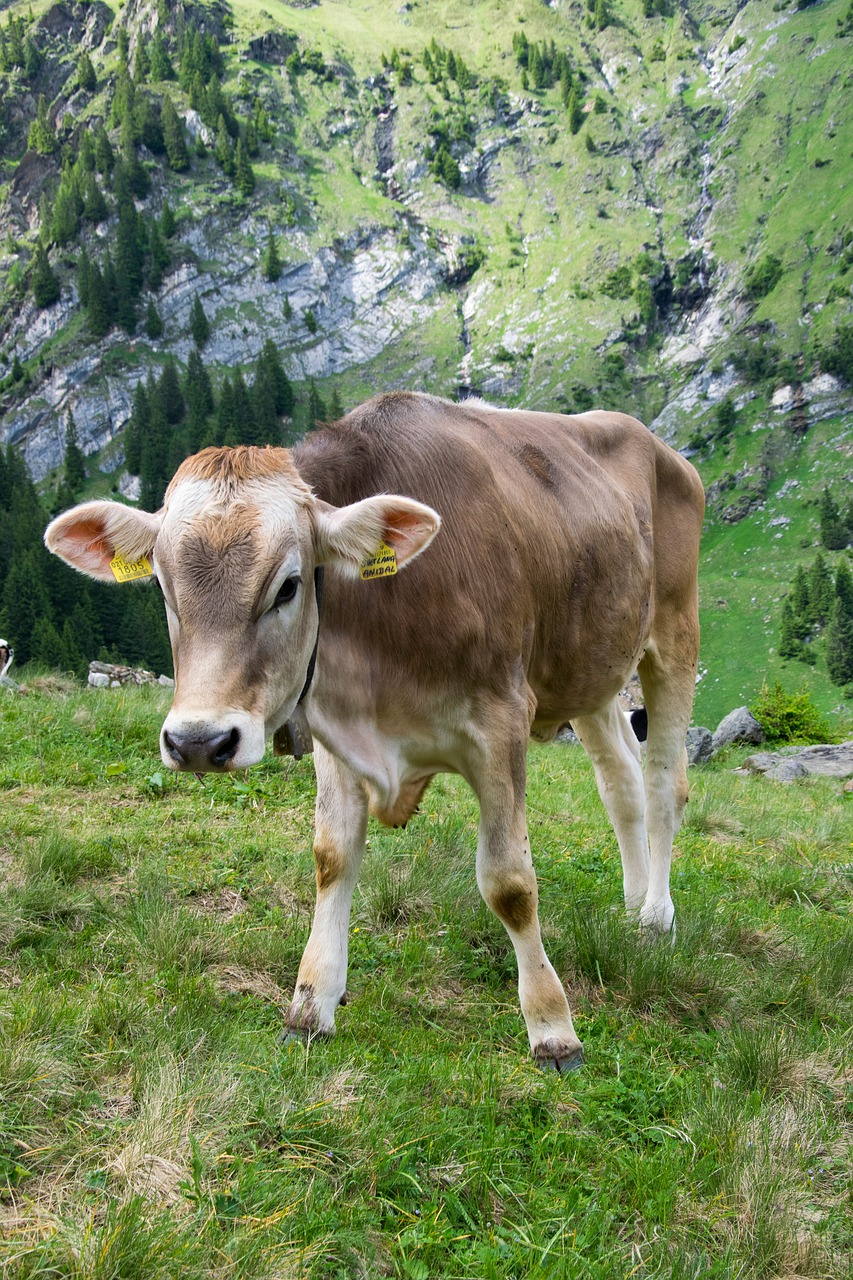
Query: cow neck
column 294, row 736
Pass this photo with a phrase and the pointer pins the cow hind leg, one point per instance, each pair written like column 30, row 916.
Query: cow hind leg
column 668, row 677
column 340, row 831
column 612, row 746
column 507, row 882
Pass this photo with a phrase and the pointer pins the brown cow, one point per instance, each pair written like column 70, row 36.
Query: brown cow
column 567, row 559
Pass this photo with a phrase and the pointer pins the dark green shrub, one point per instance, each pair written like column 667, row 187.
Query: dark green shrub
column 789, row 717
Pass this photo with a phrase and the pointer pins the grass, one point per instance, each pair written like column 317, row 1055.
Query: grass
column 152, row 1122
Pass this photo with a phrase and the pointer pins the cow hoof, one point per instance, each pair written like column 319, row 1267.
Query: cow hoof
column 295, row 1035
column 304, row 1035
column 557, row 1057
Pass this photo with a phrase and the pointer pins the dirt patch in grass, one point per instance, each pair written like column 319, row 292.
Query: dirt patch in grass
column 221, row 903
column 239, row 982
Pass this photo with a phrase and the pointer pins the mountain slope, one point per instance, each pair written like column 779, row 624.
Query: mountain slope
column 687, row 245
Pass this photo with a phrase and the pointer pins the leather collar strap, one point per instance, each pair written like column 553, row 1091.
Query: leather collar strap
column 318, row 595
column 294, row 736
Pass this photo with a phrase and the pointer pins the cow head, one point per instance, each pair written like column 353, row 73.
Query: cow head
column 234, row 550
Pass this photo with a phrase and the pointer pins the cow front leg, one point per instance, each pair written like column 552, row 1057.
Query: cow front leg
column 340, row 830
column 507, row 881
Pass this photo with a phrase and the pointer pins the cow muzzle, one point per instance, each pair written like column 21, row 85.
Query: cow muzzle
column 215, row 751
column 215, row 745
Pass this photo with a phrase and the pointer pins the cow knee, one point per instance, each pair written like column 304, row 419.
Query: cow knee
column 513, row 898
column 329, row 865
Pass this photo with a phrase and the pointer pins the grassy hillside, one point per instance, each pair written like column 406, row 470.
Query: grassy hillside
column 152, row 1124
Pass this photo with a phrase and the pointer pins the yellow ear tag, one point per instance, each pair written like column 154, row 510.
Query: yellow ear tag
column 382, row 564
column 129, row 570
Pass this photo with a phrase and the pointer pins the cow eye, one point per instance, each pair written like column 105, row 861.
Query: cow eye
column 286, row 592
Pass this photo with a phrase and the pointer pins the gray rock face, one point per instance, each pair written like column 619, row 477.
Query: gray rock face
column 739, row 725
column 700, row 746
column 829, row 760
column 365, row 293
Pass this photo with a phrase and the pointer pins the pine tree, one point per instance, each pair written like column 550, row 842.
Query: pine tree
column 75, row 466
column 98, row 303
column 32, row 58
column 839, row 633
column 244, row 174
column 243, row 427
column 68, row 207
column 104, row 154
column 25, row 601
column 46, row 645
column 271, row 262
column 137, row 429
column 199, row 323
column 223, row 149
column 86, row 78
column 73, row 651
column 725, row 418
column 124, row 100
column 269, row 361
column 169, row 396
column 42, row 137
column 317, row 411
column 225, row 413
column 159, row 257
column 154, row 459
column 821, row 593
column 789, row 645
column 173, row 136
column 153, row 322
column 85, row 161
column 161, row 66
column 167, row 222
column 565, row 84
column 142, row 63
column 94, row 203
column 575, row 110
column 198, row 394
column 44, row 279
column 602, row 15
column 336, row 408
column 833, row 529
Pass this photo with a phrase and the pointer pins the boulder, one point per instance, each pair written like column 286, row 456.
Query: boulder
column 739, row 725
column 830, row 760
column 700, row 745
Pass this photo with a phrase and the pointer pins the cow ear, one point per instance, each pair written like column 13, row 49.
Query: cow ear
column 90, row 537
column 347, row 536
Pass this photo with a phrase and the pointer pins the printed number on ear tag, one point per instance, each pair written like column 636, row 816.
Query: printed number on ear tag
column 382, row 564
column 128, row 570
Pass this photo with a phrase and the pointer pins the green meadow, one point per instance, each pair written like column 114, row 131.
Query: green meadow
column 154, row 1124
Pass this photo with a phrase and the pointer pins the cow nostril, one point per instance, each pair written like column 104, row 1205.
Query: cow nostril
column 225, row 748
column 172, row 747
